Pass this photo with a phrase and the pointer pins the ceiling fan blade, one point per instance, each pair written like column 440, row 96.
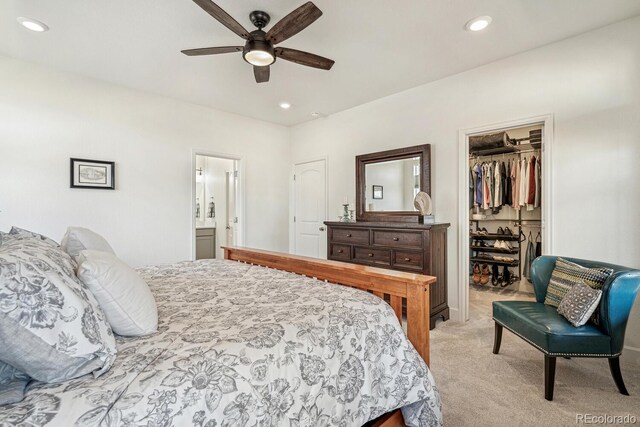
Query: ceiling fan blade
column 294, row 22
column 223, row 17
column 212, row 50
column 304, row 58
column 261, row 74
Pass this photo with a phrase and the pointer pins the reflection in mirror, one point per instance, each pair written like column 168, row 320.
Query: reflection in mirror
column 392, row 185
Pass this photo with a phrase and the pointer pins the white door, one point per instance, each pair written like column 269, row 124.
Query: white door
column 310, row 209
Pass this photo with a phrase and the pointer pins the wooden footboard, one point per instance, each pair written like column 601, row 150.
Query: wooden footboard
column 390, row 285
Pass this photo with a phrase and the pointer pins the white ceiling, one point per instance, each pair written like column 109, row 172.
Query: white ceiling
column 380, row 47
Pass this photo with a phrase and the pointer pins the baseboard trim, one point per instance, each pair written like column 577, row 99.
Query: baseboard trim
column 454, row 314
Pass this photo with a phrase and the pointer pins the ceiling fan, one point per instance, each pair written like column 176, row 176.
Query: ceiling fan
column 259, row 49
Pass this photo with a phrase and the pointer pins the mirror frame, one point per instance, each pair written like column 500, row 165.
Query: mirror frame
column 423, row 151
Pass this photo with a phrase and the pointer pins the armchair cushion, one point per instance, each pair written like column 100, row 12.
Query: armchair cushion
column 579, row 303
column 542, row 326
column 566, row 274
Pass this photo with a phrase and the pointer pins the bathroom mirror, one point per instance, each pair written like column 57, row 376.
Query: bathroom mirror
column 387, row 182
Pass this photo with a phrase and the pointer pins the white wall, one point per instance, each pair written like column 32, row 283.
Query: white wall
column 46, row 117
column 591, row 83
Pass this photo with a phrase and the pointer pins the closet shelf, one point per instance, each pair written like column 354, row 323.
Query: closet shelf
column 513, row 263
column 494, row 237
column 496, row 250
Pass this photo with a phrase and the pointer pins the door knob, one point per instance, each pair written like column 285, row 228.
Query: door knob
column 407, row 259
column 349, row 235
column 395, row 239
column 371, row 255
column 321, row 228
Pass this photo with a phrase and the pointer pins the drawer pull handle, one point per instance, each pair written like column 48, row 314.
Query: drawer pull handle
column 395, row 239
column 340, row 251
column 349, row 235
column 370, row 255
column 407, row 259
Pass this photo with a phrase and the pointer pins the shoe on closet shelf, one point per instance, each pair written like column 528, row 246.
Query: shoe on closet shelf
column 500, row 231
column 494, row 275
column 485, row 274
column 508, row 232
column 476, row 274
column 506, row 277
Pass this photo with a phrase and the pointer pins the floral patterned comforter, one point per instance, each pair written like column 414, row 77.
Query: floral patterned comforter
column 241, row 345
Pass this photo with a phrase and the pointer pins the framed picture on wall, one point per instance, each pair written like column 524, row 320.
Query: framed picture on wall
column 378, row 192
column 96, row 174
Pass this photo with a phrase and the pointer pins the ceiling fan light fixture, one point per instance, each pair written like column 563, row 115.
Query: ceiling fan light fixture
column 259, row 53
column 33, row 24
column 478, row 24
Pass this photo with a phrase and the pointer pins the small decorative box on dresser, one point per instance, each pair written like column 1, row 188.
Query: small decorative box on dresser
column 413, row 247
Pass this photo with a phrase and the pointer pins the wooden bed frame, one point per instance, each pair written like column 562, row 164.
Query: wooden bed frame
column 390, row 285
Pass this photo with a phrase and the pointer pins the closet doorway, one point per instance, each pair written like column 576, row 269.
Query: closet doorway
column 216, row 205
column 504, row 208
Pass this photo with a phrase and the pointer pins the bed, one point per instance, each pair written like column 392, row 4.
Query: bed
column 248, row 343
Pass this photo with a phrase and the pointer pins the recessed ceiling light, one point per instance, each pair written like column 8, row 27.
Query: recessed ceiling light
column 315, row 114
column 285, row 105
column 479, row 23
column 33, row 24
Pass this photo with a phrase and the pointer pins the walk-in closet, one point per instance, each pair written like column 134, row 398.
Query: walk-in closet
column 505, row 209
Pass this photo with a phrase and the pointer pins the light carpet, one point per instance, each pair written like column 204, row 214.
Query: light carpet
column 479, row 388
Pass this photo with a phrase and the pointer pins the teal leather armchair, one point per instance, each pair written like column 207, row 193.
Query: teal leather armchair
column 541, row 325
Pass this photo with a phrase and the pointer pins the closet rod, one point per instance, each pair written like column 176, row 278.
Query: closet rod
column 477, row 156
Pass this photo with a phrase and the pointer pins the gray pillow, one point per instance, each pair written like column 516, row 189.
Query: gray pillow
column 579, row 303
column 77, row 239
column 51, row 327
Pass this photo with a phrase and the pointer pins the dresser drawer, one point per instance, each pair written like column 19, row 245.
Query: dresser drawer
column 350, row 235
column 398, row 239
column 408, row 259
column 373, row 256
column 340, row 252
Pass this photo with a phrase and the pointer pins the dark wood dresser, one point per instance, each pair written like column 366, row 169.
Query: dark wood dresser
column 413, row 247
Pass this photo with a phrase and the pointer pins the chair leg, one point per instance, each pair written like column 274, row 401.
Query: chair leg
column 549, row 376
column 497, row 338
column 614, row 366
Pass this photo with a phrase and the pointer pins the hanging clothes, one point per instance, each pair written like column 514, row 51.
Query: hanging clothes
column 531, row 185
column 538, row 199
column 497, row 186
column 538, row 245
column 506, row 185
column 478, row 183
column 515, row 184
column 472, row 187
column 528, row 260
column 524, row 179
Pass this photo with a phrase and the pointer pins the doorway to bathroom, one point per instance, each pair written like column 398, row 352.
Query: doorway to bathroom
column 217, row 220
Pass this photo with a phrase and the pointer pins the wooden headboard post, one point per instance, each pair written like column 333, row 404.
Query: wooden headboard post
column 390, row 285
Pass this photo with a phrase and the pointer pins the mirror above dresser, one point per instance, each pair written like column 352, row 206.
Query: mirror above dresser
column 388, row 181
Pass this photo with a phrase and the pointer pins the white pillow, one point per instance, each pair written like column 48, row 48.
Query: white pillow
column 124, row 297
column 77, row 239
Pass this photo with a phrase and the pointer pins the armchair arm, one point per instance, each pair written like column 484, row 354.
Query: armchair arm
column 618, row 296
column 541, row 270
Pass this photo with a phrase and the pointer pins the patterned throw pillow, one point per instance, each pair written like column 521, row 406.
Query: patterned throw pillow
column 566, row 274
column 51, row 327
column 579, row 303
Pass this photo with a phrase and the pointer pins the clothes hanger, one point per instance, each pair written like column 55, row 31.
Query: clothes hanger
column 539, row 237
